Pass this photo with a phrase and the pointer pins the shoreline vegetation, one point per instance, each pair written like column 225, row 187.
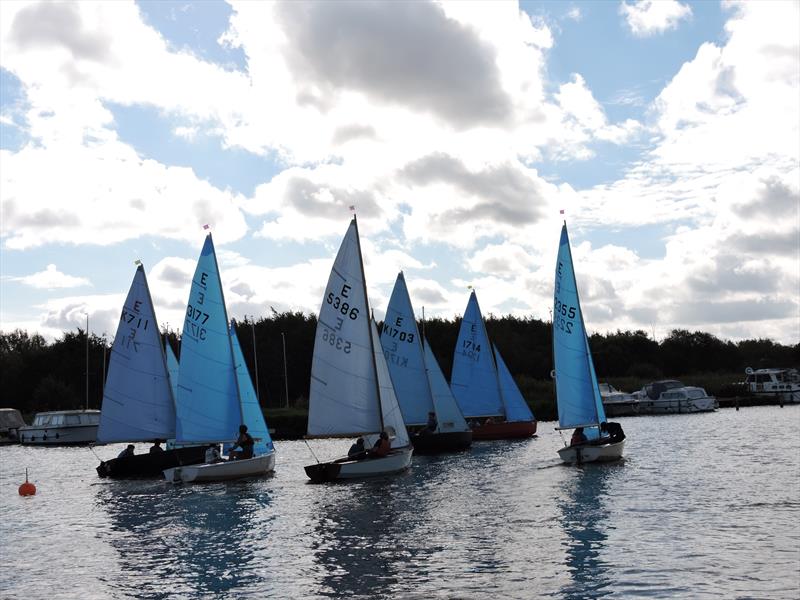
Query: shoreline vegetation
column 39, row 376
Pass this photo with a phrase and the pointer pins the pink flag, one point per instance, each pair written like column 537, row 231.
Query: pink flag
column 561, row 212
column 352, row 207
column 206, row 226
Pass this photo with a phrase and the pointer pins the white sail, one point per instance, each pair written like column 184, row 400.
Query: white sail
column 343, row 397
column 448, row 415
column 392, row 417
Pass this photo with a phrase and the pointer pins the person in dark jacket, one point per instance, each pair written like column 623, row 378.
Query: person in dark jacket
column 611, row 432
column 246, row 442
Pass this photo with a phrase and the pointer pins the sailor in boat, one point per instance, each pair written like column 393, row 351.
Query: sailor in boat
column 156, row 447
column 127, row 452
column 246, row 442
column 382, row 446
column 578, row 437
column 611, row 433
column 212, row 454
column 357, row 450
column 431, row 425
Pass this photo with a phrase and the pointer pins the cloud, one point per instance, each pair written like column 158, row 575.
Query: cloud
column 405, row 53
column 51, row 278
column 58, row 24
column 649, row 17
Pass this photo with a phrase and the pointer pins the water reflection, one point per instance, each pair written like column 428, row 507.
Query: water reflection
column 584, row 518
column 356, row 543
column 181, row 540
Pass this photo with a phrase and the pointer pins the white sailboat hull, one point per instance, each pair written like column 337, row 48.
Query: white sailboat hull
column 223, row 471
column 591, row 453
column 399, row 460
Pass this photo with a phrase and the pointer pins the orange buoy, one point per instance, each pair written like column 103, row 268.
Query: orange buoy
column 27, row 488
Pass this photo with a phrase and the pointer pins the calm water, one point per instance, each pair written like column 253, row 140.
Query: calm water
column 704, row 506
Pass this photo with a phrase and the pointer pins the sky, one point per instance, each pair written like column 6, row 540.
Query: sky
column 666, row 132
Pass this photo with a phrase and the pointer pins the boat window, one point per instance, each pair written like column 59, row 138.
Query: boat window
column 762, row 378
column 57, row 420
column 42, row 420
column 698, row 393
column 72, row 420
column 750, row 379
column 93, row 418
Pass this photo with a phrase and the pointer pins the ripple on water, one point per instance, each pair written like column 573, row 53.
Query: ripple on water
column 703, row 506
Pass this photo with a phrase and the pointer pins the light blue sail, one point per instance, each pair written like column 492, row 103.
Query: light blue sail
column 172, row 367
column 252, row 416
column 515, row 406
column 208, row 407
column 137, row 399
column 474, row 377
column 579, row 403
column 403, row 351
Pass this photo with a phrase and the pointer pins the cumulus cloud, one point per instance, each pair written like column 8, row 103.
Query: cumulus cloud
column 649, row 17
column 51, row 278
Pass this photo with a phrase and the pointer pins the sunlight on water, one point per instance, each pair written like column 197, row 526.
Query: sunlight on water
column 703, row 506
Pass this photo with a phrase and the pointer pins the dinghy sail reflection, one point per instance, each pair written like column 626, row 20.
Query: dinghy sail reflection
column 482, row 385
column 424, row 396
column 577, row 392
column 214, row 388
column 138, row 402
column 351, row 392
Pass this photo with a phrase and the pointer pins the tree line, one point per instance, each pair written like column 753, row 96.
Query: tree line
column 38, row 376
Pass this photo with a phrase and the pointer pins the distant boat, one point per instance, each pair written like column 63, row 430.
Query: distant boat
column 483, row 386
column 215, row 393
column 418, row 381
column 782, row 385
column 351, row 390
column 670, row 396
column 577, row 392
column 138, row 402
column 617, row 403
column 61, row 428
column 10, row 422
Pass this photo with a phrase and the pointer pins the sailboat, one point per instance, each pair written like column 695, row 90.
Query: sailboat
column 483, row 385
column 577, row 392
column 138, row 402
column 419, row 384
column 215, row 393
column 351, row 390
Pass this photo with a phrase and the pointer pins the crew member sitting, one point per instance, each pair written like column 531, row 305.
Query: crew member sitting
column 431, row 425
column 357, row 450
column 127, row 452
column 578, row 437
column 613, row 431
column 382, row 447
column 246, row 442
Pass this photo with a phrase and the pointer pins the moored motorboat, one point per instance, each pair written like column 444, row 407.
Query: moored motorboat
column 670, row 396
column 10, row 422
column 61, row 428
column 782, row 385
column 617, row 403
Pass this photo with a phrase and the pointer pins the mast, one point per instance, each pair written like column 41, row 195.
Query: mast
column 369, row 323
column 87, row 361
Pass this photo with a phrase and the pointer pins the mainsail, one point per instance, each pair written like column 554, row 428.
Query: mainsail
column 474, row 378
column 137, row 399
column 343, row 397
column 579, row 402
column 515, row 406
column 208, row 407
column 402, row 349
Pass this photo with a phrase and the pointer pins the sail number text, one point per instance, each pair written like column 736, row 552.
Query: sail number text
column 470, row 349
column 563, row 315
column 336, row 341
column 339, row 302
column 128, row 317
